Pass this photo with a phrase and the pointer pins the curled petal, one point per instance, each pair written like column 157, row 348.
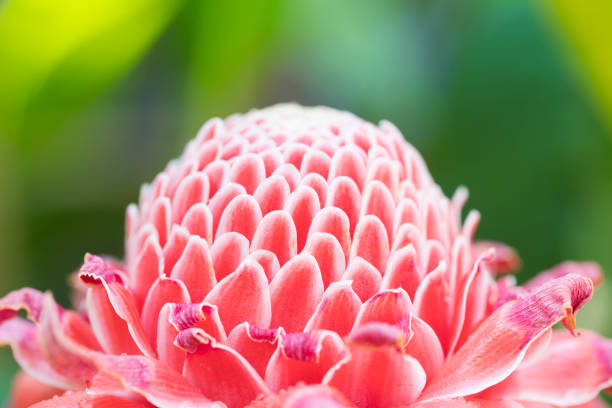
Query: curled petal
column 590, row 270
column 254, row 344
column 355, row 376
column 499, row 344
column 303, row 357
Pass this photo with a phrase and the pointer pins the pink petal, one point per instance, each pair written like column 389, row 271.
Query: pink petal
column 356, row 376
column 433, row 304
column 228, row 251
column 96, row 274
column 272, row 160
column 370, row 242
column 377, row 200
column 302, row 206
column 329, row 255
column 254, row 344
column 218, row 173
column 241, row 215
column 290, row 173
column 199, row 221
column 23, row 338
column 243, row 296
column 337, row 310
column 147, row 269
column 164, row 290
column 347, row 162
column 365, row 277
column 160, row 217
column 315, row 161
column 272, row 194
column 220, row 200
column 318, row 184
column 83, row 400
column 268, row 262
column 295, row 292
column 218, row 371
column 174, row 247
column 208, row 152
column 384, row 170
column 505, row 259
column 423, row 344
column 276, row 233
column 27, row 390
column 403, row 271
column 334, row 221
column 344, row 194
column 27, row 299
column 249, row 171
column 590, row 270
column 303, row 357
column 303, row 396
column 193, row 189
column 389, row 306
column 470, row 403
column 195, row 269
column 498, row 345
column 406, row 212
column 154, row 381
column 571, row 371
column 294, row 154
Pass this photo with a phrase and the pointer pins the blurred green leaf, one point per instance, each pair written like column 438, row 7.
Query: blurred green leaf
column 59, row 54
column 587, row 25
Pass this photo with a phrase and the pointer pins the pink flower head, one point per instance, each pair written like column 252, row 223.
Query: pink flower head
column 302, row 257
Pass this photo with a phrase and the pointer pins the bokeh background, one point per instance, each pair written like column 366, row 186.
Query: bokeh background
column 511, row 98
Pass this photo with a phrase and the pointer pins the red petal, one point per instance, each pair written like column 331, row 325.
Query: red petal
column 268, row 262
column 193, row 189
column 220, row 200
column 347, row 161
column 147, row 269
column 174, row 247
column 389, row 306
column 27, row 390
column 377, row 200
column 403, row 271
column 315, row 161
column 590, row 270
column 318, row 184
column 334, row 221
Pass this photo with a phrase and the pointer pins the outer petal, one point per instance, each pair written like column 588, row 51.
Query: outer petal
column 96, row 273
column 149, row 378
column 303, row 357
column 495, row 349
column 83, row 400
column 571, row 371
column 377, row 373
column 301, row 396
column 218, row 371
column 588, row 269
column 27, row 390
column 471, row 403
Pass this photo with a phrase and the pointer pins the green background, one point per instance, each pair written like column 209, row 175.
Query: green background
column 95, row 98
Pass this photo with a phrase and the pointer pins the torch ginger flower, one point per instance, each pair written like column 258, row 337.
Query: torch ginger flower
column 302, row 257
